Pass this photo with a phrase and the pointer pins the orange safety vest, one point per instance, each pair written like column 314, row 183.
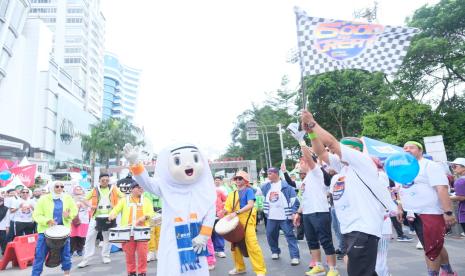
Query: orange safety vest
column 114, row 198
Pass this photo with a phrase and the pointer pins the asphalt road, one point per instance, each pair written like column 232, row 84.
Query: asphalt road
column 403, row 259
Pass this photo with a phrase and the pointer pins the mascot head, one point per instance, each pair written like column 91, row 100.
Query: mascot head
column 124, row 184
column 185, row 164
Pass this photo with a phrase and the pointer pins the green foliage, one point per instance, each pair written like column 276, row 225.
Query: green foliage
column 340, row 99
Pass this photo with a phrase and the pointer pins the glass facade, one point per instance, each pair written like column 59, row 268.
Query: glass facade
column 121, row 84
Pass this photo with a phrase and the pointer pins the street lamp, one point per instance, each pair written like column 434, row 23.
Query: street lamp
column 253, row 135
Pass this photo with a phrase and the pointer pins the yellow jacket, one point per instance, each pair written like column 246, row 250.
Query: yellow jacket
column 125, row 209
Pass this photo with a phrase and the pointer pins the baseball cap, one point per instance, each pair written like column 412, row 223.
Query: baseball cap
column 134, row 184
column 273, row 170
column 459, row 161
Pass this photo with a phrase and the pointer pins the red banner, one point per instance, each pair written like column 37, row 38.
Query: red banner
column 6, row 164
column 26, row 174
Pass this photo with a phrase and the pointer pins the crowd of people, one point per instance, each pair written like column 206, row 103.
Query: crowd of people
column 334, row 188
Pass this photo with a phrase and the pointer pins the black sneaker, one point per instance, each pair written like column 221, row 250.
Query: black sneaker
column 404, row 239
column 132, row 274
column 141, row 274
column 340, row 255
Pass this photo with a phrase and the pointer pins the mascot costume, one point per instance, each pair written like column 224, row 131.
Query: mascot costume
column 184, row 181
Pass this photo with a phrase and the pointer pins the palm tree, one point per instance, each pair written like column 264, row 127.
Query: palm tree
column 106, row 140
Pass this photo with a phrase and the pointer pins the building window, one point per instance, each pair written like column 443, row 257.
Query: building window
column 74, row 20
column 43, row 10
column 3, row 7
column 41, row 1
column 49, row 20
column 72, row 50
column 75, row 10
column 73, row 60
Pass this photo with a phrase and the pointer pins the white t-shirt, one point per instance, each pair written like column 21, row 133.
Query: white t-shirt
column 277, row 202
column 422, row 197
column 25, row 209
column 314, row 196
column 356, row 207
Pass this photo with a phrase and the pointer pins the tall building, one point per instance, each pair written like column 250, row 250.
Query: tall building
column 78, row 43
column 121, row 87
column 12, row 17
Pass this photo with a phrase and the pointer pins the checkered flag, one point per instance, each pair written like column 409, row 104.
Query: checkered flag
column 328, row 45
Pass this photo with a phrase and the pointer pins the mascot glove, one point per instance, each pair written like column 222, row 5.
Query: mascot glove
column 293, row 129
column 199, row 243
column 131, row 153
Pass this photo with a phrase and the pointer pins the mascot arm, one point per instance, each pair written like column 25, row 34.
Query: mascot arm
column 151, row 185
column 208, row 221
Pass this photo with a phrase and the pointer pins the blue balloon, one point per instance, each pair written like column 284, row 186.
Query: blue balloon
column 84, row 184
column 5, row 175
column 402, row 168
column 84, row 174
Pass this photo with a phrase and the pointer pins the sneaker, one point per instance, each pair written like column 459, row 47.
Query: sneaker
column 419, row 246
column 79, row 253
column 274, row 256
column 220, row 254
column 151, row 256
column 404, row 239
column 340, row 256
column 211, row 267
column 106, row 260
column 316, row 270
column 311, row 264
column 132, row 274
column 444, row 273
column 142, row 274
column 462, row 234
column 411, row 232
column 295, row 261
column 100, row 244
column 332, row 272
column 82, row 264
column 236, row 272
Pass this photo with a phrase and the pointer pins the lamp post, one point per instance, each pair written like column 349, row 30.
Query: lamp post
column 280, row 131
column 252, row 135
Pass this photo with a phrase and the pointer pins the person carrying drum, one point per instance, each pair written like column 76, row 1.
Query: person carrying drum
column 55, row 208
column 102, row 199
column 136, row 210
column 240, row 203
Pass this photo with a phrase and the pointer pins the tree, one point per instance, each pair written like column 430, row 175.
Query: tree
column 106, row 140
column 340, row 99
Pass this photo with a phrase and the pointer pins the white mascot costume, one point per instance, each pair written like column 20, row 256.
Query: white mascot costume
column 184, row 180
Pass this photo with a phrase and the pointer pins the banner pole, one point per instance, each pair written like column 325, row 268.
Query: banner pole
column 302, row 81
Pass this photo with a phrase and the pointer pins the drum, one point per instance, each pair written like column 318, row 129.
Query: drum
column 55, row 238
column 141, row 233
column 103, row 224
column 156, row 220
column 119, row 234
column 231, row 230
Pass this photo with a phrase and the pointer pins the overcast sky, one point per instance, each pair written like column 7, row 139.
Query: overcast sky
column 205, row 62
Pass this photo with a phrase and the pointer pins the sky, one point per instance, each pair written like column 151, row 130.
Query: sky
column 205, row 62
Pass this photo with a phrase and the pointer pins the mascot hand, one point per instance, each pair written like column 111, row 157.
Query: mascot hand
column 199, row 243
column 131, row 153
column 293, row 129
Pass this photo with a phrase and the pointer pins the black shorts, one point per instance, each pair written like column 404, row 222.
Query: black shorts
column 361, row 251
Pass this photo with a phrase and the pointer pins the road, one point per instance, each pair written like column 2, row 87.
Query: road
column 403, row 259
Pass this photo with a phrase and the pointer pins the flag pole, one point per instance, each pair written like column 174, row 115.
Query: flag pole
column 302, row 80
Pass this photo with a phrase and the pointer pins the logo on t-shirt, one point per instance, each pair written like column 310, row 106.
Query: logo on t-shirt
column 274, row 196
column 339, row 188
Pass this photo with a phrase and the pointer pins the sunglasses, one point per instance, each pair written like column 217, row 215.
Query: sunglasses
column 60, row 186
column 24, row 192
column 238, row 178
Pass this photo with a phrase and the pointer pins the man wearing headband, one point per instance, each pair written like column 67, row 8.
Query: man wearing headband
column 357, row 195
column 428, row 198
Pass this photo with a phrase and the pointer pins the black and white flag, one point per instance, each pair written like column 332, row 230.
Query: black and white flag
column 328, row 45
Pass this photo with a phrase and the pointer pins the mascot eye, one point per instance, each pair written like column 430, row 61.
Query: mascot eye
column 196, row 158
column 177, row 161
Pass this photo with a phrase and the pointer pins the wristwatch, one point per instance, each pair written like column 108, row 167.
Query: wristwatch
column 448, row 213
column 237, row 212
column 309, row 125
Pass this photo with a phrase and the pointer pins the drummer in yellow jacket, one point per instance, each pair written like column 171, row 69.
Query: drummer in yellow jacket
column 136, row 210
column 243, row 207
column 55, row 208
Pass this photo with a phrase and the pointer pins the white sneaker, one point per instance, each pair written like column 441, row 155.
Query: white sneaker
column 274, row 256
column 236, row 272
column 295, row 261
column 462, row 234
column 419, row 246
column 100, row 244
column 106, row 260
column 411, row 232
column 82, row 264
column 220, row 254
column 211, row 267
column 151, row 256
